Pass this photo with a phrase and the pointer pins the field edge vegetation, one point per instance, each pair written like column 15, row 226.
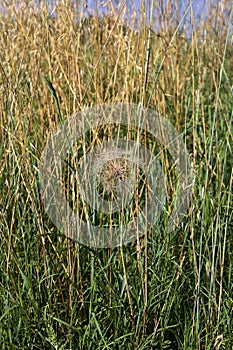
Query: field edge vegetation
column 166, row 291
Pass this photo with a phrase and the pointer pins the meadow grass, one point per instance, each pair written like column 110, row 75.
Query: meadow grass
column 165, row 291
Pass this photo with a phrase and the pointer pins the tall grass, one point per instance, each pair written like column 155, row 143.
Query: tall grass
column 166, row 291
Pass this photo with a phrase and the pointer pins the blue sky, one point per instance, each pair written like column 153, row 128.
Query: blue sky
column 199, row 8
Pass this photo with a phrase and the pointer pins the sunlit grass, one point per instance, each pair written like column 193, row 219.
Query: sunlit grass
column 164, row 291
